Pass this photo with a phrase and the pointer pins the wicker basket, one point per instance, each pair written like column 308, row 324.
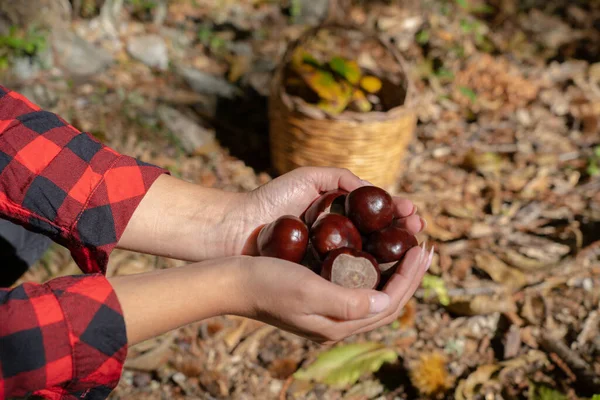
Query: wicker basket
column 371, row 145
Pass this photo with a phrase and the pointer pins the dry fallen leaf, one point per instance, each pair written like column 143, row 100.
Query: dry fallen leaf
column 499, row 271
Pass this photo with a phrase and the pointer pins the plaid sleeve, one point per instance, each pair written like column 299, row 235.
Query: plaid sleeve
column 61, row 340
column 64, row 183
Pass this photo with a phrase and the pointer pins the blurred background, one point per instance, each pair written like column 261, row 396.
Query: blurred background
column 493, row 113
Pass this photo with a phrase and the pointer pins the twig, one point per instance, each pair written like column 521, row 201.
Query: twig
column 582, row 370
column 284, row 389
column 590, row 327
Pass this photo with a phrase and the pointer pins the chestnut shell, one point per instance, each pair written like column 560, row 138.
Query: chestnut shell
column 370, row 208
column 350, row 268
column 333, row 231
column 321, row 205
column 390, row 244
column 285, row 238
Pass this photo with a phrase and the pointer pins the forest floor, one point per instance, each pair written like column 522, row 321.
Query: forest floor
column 504, row 166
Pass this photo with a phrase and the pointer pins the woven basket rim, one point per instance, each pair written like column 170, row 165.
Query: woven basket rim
column 350, row 116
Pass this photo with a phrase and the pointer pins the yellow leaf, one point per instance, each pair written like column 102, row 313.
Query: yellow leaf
column 371, row 84
column 239, row 66
column 335, row 98
column 344, row 365
column 360, row 101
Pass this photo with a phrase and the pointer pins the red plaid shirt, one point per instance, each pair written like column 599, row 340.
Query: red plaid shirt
column 64, row 339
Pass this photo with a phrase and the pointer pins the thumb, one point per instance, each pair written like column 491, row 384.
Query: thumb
column 349, row 304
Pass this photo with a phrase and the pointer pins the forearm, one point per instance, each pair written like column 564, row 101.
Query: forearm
column 159, row 301
column 184, row 221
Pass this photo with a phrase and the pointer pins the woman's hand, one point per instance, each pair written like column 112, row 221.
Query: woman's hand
column 286, row 295
column 181, row 220
column 297, row 300
column 293, row 193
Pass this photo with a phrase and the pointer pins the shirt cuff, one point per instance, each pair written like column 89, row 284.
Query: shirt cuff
column 65, row 339
column 96, row 333
column 116, row 194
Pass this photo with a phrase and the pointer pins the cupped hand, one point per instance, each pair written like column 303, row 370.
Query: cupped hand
column 293, row 298
column 294, row 192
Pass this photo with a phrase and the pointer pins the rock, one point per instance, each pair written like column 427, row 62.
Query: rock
column 40, row 95
column 149, row 49
column 78, row 56
column 204, row 83
column 191, row 136
column 311, row 11
column 25, row 68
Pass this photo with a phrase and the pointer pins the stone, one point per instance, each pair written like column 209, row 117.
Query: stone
column 204, row 83
column 149, row 49
column 77, row 56
column 41, row 95
column 311, row 12
column 25, row 68
column 190, row 135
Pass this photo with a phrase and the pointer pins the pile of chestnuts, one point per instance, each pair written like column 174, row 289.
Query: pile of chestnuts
column 351, row 239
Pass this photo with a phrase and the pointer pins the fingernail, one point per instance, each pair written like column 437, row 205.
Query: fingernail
column 379, row 302
column 366, row 183
column 423, row 224
column 414, row 211
column 429, row 259
column 423, row 252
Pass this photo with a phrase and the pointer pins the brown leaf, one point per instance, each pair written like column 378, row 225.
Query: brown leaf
column 155, row 357
column 283, row 368
column 499, row 271
column 240, row 64
column 481, row 305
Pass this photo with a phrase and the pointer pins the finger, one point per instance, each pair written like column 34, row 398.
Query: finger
column 414, row 224
column 343, row 304
column 404, row 207
column 396, row 287
column 423, row 267
column 330, row 178
column 425, row 264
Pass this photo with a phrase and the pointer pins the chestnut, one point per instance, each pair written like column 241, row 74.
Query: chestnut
column 370, row 208
column 333, row 231
column 351, row 268
column 390, row 244
column 328, row 202
column 387, row 270
column 285, row 238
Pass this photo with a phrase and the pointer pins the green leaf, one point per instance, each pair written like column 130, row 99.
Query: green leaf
column 444, row 74
column 484, row 9
column 422, row 37
column 545, row 393
column 463, row 4
column 593, row 169
column 347, row 68
column 344, row 365
column 469, row 93
column 596, row 397
column 597, row 151
column 438, row 286
column 466, row 26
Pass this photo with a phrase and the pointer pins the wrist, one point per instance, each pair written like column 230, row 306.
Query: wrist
column 157, row 302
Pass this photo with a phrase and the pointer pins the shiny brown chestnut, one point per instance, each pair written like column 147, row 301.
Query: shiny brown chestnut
column 390, row 244
column 285, row 238
column 351, row 268
column 370, row 208
column 333, row 231
column 329, row 202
